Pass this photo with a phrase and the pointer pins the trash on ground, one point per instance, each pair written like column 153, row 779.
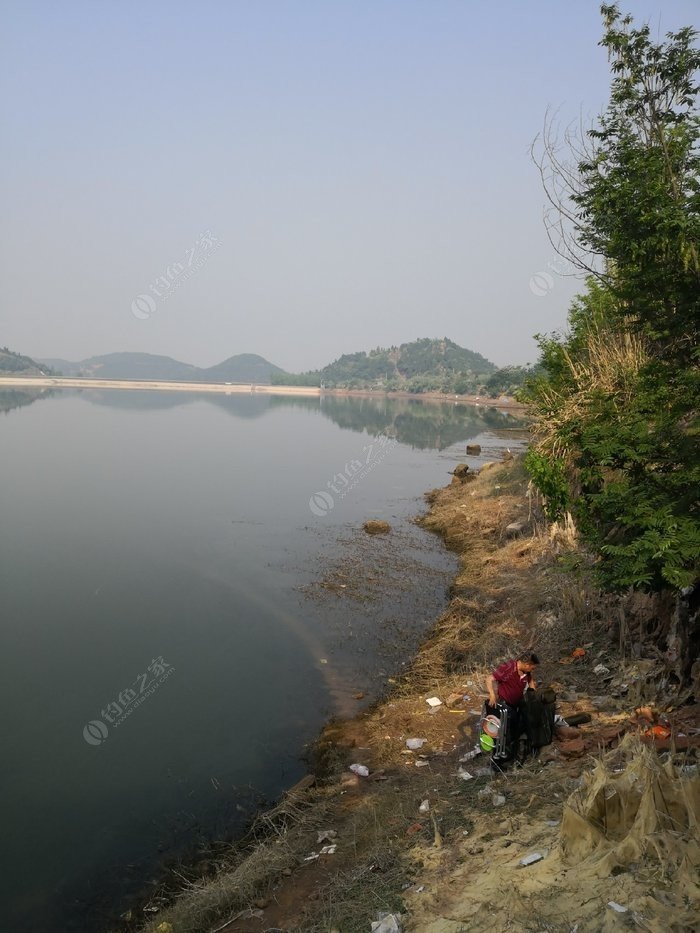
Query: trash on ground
column 601, row 669
column 498, row 800
column 552, row 822
column 424, row 807
column 326, row 835
column 434, row 701
column 362, row 770
column 532, row 858
column 328, row 850
column 618, row 908
column 464, row 775
column 415, row 743
column 391, row 923
column 471, row 754
column 421, row 763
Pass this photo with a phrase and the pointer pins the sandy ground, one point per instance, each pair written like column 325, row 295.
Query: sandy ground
column 226, row 388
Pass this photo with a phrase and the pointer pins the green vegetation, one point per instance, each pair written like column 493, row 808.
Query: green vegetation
column 421, row 366
column 17, row 365
column 616, row 401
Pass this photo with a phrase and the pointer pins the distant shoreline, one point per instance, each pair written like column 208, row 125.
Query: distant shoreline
column 45, row 382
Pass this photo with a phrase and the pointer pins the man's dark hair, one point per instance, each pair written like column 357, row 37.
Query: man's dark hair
column 529, row 657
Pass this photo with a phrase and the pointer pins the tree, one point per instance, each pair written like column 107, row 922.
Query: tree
column 616, row 411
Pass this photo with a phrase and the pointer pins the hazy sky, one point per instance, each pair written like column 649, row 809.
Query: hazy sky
column 314, row 177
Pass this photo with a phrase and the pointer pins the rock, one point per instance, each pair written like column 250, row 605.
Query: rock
column 567, row 732
column 514, row 529
column 473, row 450
column 578, row 719
column 611, row 734
column 375, row 527
column 461, row 474
column 572, row 748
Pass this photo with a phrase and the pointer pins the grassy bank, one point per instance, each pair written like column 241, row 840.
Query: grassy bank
column 415, row 837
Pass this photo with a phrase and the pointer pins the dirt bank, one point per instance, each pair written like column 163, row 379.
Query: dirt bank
column 611, row 821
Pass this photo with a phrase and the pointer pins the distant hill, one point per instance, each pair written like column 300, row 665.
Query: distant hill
column 14, row 364
column 425, row 365
column 245, row 367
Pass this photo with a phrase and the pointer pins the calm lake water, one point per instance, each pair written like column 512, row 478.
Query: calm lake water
column 167, row 651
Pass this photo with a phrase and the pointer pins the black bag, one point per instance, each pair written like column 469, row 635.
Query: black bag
column 538, row 710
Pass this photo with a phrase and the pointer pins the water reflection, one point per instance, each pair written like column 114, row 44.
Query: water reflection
column 18, row 398
column 424, row 424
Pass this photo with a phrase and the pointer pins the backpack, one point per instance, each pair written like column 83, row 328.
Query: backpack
column 538, row 710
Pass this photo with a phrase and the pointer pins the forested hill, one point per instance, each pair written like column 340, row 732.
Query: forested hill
column 426, row 365
column 244, row 367
column 14, row 364
column 421, row 366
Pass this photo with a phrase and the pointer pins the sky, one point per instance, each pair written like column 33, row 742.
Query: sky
column 291, row 178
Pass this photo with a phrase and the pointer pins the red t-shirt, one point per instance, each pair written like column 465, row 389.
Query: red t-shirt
column 511, row 684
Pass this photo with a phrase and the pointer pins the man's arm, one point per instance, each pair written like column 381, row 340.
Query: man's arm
column 490, row 686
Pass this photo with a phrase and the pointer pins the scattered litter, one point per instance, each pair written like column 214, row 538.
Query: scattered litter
column 532, row 858
column 434, row 701
column 552, row 822
column 618, row 908
column 323, row 660
column 415, row 743
column 389, row 923
column 424, row 807
column 310, row 858
column 471, row 754
column 326, row 835
column 421, row 763
column 498, row 800
column 362, row 770
column 328, row 850
column 465, row 775
column 601, row 669
column 420, row 889
column 661, row 732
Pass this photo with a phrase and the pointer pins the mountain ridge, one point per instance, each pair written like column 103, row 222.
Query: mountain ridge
column 422, row 365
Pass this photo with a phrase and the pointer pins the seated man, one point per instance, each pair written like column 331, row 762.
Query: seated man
column 506, row 688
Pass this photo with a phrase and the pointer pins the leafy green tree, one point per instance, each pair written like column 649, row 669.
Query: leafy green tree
column 616, row 410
